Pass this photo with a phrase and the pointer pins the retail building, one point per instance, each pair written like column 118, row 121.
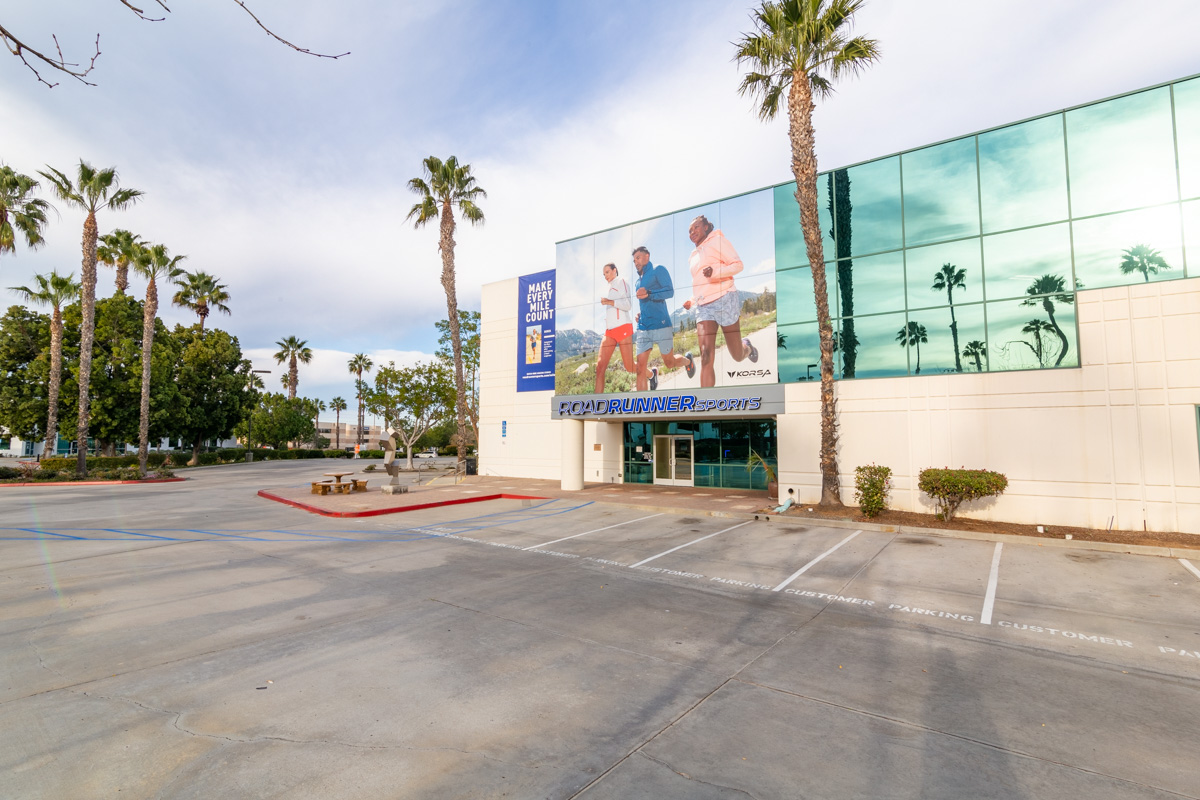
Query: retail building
column 1025, row 299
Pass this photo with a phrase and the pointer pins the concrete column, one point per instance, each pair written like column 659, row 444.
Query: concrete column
column 571, row 465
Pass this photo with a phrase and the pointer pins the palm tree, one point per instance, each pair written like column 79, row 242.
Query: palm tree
column 358, row 365
column 117, row 249
column 950, row 277
column 445, row 186
column 977, row 350
column 200, row 292
column 801, row 48
column 337, row 405
column 1044, row 291
column 318, row 406
column 1037, row 327
column 55, row 291
column 292, row 350
column 913, row 334
column 152, row 263
column 94, row 190
column 1144, row 259
column 19, row 211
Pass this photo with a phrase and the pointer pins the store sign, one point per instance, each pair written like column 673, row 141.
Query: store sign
column 761, row 401
column 535, row 332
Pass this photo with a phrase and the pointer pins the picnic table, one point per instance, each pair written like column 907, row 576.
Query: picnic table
column 336, row 485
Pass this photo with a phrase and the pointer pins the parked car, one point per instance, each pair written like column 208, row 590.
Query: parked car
column 431, row 453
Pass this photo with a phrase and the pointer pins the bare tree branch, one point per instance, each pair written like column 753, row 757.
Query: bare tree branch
column 77, row 71
column 280, row 39
column 19, row 49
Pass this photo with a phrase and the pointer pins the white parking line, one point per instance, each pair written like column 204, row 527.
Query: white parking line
column 692, row 542
column 804, row 569
column 989, row 599
column 585, row 533
column 1188, row 565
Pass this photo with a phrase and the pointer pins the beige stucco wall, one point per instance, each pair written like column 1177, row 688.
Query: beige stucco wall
column 1116, row 438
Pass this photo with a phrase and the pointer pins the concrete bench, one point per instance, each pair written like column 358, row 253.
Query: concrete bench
column 322, row 487
column 359, row 486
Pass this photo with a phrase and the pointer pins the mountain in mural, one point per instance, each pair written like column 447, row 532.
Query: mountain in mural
column 574, row 342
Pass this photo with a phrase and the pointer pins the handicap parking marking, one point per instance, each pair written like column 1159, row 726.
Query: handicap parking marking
column 689, row 544
column 585, row 533
column 989, row 599
column 1189, row 567
column 812, row 563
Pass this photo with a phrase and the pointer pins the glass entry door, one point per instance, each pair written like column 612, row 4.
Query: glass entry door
column 673, row 460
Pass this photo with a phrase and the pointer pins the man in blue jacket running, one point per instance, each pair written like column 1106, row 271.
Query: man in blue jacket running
column 653, row 289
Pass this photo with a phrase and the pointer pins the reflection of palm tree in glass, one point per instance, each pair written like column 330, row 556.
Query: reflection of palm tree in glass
column 1037, row 327
column 977, row 350
column 1144, row 259
column 913, row 335
column 950, row 277
column 842, row 212
column 1043, row 292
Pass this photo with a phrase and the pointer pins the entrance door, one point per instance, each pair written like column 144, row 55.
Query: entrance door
column 673, row 459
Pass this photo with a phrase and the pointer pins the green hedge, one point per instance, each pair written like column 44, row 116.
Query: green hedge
column 950, row 488
column 180, row 458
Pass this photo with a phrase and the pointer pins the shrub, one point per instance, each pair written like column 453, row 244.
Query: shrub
column 336, row 454
column 370, row 454
column 208, row 459
column 872, row 484
column 950, row 488
column 7, row 473
column 369, row 468
column 231, row 454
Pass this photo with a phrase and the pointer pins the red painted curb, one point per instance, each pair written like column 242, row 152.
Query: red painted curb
column 380, row 511
column 95, row 483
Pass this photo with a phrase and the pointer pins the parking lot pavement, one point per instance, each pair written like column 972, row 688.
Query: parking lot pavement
column 194, row 640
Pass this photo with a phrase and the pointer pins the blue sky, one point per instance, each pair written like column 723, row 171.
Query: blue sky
column 285, row 175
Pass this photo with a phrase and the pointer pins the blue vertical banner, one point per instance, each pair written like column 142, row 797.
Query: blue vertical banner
column 535, row 332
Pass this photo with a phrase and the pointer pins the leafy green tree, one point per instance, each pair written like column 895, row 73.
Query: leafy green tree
column 1045, row 291
column 444, row 187
column 278, row 419
column 801, row 48
column 359, row 364
column 293, row 350
column 92, row 191
column 153, row 263
column 337, row 405
column 411, row 400
column 201, row 293
column 977, row 350
column 913, row 335
column 117, row 250
column 212, row 378
column 20, row 212
column 55, row 291
column 949, row 278
column 468, row 328
column 1144, row 259
column 24, row 370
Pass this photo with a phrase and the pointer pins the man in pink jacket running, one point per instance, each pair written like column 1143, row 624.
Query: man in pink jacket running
column 714, row 262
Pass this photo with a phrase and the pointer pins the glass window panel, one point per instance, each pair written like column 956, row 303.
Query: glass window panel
column 1135, row 247
column 872, row 284
column 680, row 268
column 746, row 221
column 948, row 330
column 795, row 294
column 878, row 352
column 707, row 441
column 735, row 444
column 1122, row 153
column 1023, row 174
column 790, row 250
column 639, row 473
column 800, row 353
column 871, row 199
column 1187, row 132
column 1013, row 261
column 944, row 274
column 1035, row 333
column 575, row 272
column 941, row 193
column 1191, row 236
column 762, row 438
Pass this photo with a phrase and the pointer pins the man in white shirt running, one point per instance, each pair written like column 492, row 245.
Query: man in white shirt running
column 618, row 326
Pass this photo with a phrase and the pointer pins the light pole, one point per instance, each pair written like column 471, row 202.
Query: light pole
column 250, row 419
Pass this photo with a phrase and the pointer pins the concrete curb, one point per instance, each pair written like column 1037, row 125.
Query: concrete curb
column 378, row 512
column 95, row 483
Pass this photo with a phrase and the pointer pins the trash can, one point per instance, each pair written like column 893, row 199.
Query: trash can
column 250, row 455
column 472, row 466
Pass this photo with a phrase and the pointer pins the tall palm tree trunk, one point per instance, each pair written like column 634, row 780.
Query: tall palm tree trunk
column 122, row 276
column 337, row 432
column 446, row 245
column 151, row 312
column 804, row 168
column 953, row 328
column 87, row 335
column 56, row 337
column 1062, row 337
column 293, row 377
column 918, row 372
